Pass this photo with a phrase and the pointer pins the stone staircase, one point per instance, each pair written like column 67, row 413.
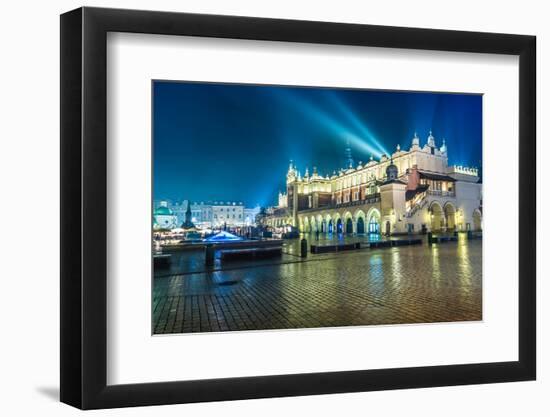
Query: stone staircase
column 419, row 205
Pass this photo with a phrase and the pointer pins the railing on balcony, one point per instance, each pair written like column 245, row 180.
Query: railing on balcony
column 280, row 212
column 371, row 199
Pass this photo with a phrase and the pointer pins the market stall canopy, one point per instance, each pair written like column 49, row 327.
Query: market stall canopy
column 222, row 236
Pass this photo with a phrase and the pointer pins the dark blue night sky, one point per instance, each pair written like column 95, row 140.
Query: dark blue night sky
column 234, row 141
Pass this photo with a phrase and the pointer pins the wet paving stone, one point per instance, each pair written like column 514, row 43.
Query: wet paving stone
column 409, row 284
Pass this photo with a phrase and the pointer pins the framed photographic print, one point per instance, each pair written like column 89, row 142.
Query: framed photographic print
column 257, row 208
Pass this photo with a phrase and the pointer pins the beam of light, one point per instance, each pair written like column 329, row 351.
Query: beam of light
column 343, row 132
column 356, row 122
column 270, row 190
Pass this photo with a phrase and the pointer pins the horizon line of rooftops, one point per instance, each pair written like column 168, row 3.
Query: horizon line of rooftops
column 184, row 202
column 429, row 147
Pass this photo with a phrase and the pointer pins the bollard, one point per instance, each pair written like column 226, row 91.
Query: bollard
column 209, row 255
column 303, row 248
column 430, row 238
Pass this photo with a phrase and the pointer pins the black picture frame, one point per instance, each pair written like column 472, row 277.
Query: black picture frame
column 84, row 207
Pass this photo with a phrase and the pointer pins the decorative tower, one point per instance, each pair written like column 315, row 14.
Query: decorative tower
column 443, row 148
column 391, row 171
column 415, row 140
column 392, row 201
column 347, row 154
column 397, row 151
column 291, row 174
column 431, row 140
column 188, row 223
column 293, row 177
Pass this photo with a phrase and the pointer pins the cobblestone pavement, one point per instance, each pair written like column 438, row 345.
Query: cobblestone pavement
column 411, row 284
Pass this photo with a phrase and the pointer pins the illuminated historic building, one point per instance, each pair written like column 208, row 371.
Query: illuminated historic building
column 216, row 214
column 164, row 217
column 409, row 192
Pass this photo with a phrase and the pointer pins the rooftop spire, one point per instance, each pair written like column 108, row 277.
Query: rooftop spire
column 431, row 140
column 415, row 139
column 391, row 171
column 443, row 148
column 347, row 154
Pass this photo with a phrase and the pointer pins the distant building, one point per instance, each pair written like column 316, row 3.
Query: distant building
column 217, row 214
column 250, row 215
column 227, row 214
column 179, row 209
column 408, row 192
column 163, row 217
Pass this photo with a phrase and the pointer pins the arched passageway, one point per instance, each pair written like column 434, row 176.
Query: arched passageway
column 360, row 226
column 437, row 217
column 349, row 226
column 339, row 228
column 373, row 224
column 477, row 220
column 450, row 217
column 306, row 225
column 313, row 225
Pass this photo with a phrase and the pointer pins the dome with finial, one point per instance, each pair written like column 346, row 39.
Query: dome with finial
column 415, row 140
column 391, row 171
column 163, row 211
column 443, row 148
column 371, row 161
column 292, row 171
column 316, row 174
column 431, row 140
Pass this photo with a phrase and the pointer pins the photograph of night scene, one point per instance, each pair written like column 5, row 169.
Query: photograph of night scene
column 289, row 207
